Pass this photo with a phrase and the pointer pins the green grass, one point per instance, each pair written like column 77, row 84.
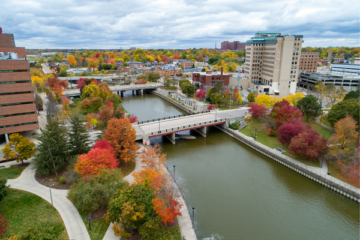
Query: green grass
column 336, row 173
column 23, row 209
column 11, row 172
column 170, row 233
column 272, row 142
column 320, row 129
column 98, row 227
column 324, row 121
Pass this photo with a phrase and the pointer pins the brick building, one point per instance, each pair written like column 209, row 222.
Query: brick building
column 236, row 45
column 309, row 62
column 185, row 65
column 208, row 79
column 17, row 100
column 167, row 72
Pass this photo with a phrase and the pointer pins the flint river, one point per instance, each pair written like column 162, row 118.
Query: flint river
column 240, row 194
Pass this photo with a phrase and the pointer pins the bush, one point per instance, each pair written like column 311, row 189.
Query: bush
column 62, row 180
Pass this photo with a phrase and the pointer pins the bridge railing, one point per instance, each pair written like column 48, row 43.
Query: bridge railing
column 185, row 127
column 164, row 118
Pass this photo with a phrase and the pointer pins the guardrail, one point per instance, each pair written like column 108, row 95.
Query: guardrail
column 164, row 118
column 201, row 124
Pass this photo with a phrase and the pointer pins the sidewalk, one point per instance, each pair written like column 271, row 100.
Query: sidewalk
column 74, row 225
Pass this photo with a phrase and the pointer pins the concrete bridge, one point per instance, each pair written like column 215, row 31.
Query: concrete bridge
column 198, row 122
column 120, row 89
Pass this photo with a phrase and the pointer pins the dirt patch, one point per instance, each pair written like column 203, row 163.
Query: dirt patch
column 97, row 214
column 64, row 172
column 22, row 165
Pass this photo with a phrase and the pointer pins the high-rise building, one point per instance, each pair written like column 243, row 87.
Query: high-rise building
column 309, row 62
column 235, row 45
column 17, row 101
column 273, row 59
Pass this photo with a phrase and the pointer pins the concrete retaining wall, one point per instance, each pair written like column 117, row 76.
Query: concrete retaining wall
column 326, row 180
column 174, row 102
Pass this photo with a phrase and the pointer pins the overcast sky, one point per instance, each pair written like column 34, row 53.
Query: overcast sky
column 175, row 24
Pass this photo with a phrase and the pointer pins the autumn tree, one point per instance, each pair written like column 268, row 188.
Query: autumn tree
column 236, row 94
column 52, row 150
column 320, row 89
column 256, row 110
column 56, row 86
column 71, row 60
column 294, row 98
column 308, row 144
column 121, row 135
column 265, row 100
column 95, row 160
column 352, row 95
column 19, row 148
column 92, row 64
column 130, row 209
column 287, row 112
column 309, row 106
column 133, row 119
column 200, row 93
column 211, row 107
column 79, row 138
column 290, row 129
column 251, row 97
column 344, row 138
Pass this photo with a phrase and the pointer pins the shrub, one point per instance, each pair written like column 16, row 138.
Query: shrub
column 257, row 110
column 62, row 180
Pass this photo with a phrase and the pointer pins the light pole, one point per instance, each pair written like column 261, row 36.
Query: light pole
column 174, row 174
column 255, row 132
column 159, row 124
column 193, row 208
column 50, row 194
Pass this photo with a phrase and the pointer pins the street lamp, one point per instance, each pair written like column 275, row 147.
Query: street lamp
column 255, row 132
column 174, row 174
column 193, row 208
column 50, row 193
column 159, row 124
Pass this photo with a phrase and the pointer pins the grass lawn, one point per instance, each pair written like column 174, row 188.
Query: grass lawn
column 11, row 172
column 336, row 173
column 324, row 121
column 272, row 142
column 320, row 129
column 170, row 233
column 98, row 227
column 23, row 210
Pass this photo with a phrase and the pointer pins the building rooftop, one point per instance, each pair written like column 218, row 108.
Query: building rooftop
column 213, row 73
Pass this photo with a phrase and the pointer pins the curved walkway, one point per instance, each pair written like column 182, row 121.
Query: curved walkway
column 74, row 225
column 318, row 121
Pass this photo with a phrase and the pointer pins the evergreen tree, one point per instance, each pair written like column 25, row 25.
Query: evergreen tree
column 100, row 66
column 52, row 149
column 309, row 106
column 79, row 139
column 3, row 188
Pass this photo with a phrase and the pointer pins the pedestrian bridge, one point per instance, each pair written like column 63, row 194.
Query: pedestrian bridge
column 119, row 89
column 198, row 122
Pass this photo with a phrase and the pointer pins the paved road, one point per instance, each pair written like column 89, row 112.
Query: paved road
column 147, row 128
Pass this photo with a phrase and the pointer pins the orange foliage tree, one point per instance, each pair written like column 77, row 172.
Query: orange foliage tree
column 91, row 163
column 121, row 136
column 56, row 86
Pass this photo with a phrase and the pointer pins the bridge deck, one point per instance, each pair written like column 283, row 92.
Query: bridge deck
column 74, row 92
column 173, row 124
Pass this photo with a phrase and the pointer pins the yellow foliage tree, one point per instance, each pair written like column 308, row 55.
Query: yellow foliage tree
column 265, row 100
column 37, row 82
column 92, row 64
column 294, row 98
column 19, row 147
column 71, row 60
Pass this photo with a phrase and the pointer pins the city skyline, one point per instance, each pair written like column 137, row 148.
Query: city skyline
column 179, row 25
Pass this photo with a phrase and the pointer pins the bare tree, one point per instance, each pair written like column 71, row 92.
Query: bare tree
column 51, row 106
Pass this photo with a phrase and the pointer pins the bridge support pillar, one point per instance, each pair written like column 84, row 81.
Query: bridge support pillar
column 201, row 131
column 142, row 91
column 171, row 137
column 133, row 92
column 138, row 92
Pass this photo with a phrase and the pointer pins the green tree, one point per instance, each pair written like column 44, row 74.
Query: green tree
column 19, row 147
column 153, row 77
column 131, row 208
column 309, row 106
column 52, row 149
column 100, row 66
column 343, row 108
column 94, row 192
column 251, row 97
column 3, row 188
column 353, row 94
column 63, row 72
column 79, row 139
column 188, row 89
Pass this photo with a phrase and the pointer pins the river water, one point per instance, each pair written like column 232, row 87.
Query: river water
column 240, row 194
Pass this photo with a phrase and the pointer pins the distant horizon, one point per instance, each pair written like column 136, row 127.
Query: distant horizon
column 169, row 24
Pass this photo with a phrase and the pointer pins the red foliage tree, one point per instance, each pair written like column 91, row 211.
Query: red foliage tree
column 97, row 55
column 201, row 93
column 211, row 107
column 56, row 86
column 236, row 94
column 141, row 81
column 81, row 84
column 95, row 160
column 352, row 171
column 277, row 106
column 165, row 58
column 308, row 144
column 101, row 144
column 290, row 129
column 227, row 92
column 133, row 119
column 176, row 56
column 3, row 226
column 167, row 214
column 287, row 112
column 257, row 110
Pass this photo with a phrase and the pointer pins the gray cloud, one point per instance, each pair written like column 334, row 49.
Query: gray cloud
column 175, row 24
